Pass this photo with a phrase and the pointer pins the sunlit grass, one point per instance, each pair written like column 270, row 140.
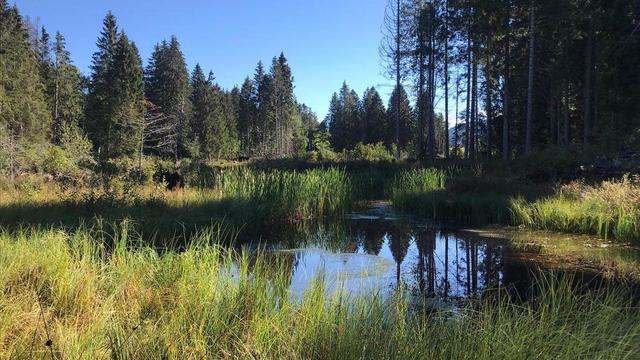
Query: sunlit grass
column 112, row 297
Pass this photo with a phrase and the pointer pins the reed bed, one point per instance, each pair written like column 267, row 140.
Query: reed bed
column 610, row 210
column 97, row 296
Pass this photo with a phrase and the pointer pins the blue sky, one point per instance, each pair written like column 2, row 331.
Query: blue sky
column 326, row 41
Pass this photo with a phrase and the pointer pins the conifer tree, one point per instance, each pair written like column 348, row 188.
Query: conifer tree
column 127, row 102
column 167, row 87
column 247, row 113
column 64, row 90
column 407, row 120
column 98, row 107
column 24, row 117
column 373, row 117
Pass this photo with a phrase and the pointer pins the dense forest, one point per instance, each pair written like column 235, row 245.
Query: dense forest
column 491, row 79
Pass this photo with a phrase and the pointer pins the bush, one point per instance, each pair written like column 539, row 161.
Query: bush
column 56, row 161
column 368, row 152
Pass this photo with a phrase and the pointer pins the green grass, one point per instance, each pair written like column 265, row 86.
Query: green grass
column 610, row 209
column 254, row 200
column 98, row 297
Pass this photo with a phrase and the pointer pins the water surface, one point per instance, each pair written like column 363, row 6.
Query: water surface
column 377, row 250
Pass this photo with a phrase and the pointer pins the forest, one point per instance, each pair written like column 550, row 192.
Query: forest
column 483, row 204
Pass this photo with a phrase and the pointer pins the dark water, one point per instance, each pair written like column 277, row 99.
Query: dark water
column 375, row 250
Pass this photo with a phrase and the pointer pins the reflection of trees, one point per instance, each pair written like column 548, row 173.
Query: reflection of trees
column 398, row 238
column 373, row 237
column 426, row 244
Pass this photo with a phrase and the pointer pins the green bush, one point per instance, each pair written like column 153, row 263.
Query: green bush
column 56, row 161
column 369, row 152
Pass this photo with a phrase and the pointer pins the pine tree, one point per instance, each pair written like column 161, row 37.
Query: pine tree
column 167, row 87
column 345, row 120
column 247, row 113
column 407, row 120
column 99, row 109
column 64, row 90
column 127, row 103
column 374, row 117
column 24, row 117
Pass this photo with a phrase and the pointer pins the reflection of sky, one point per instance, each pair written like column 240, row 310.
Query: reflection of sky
column 449, row 265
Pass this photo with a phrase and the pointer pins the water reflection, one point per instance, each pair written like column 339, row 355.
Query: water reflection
column 376, row 250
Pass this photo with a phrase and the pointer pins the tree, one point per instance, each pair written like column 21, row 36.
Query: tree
column 344, row 118
column 64, row 90
column 126, row 110
column 407, row 121
column 374, row 118
column 532, row 58
column 391, row 52
column 24, row 117
column 167, row 87
column 98, row 110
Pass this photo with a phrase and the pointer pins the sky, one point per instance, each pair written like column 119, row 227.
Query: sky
column 325, row 41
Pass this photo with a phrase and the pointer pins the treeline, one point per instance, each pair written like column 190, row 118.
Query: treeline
column 515, row 76
column 351, row 121
column 52, row 116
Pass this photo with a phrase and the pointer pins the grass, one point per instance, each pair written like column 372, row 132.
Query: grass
column 102, row 297
column 255, row 200
column 610, row 209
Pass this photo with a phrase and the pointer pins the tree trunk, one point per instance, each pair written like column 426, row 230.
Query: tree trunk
column 455, row 127
column 474, row 108
column 588, row 84
column 529, row 124
column 421, row 99
column 567, row 128
column 467, row 115
column 398, row 80
column 431, row 88
column 506, row 96
column 489, row 110
column 446, row 80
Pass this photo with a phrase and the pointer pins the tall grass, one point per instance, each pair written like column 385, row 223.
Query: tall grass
column 252, row 199
column 128, row 301
column 442, row 195
column 611, row 209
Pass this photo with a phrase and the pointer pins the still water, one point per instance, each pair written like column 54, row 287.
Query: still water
column 376, row 250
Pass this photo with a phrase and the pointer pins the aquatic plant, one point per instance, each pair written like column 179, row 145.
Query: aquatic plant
column 97, row 297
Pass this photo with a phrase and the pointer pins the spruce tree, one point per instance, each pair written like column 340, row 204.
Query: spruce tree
column 24, row 117
column 23, row 108
column 247, row 112
column 167, row 87
column 64, row 90
column 127, row 103
column 407, row 119
column 374, row 117
column 100, row 93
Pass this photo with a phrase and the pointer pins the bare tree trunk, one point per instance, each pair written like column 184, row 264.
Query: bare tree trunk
column 588, row 84
column 506, row 96
column 446, row 80
column 455, row 129
column 467, row 142
column 567, row 128
column 431, row 88
column 489, row 111
column 398, row 80
column 529, row 124
column 474, row 108
column 421, row 107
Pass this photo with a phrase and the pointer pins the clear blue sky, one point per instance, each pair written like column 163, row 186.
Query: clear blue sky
column 326, row 41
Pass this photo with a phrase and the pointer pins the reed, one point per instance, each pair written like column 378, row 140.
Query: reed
column 96, row 297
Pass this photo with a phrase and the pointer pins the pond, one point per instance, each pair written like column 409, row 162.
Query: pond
column 377, row 250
